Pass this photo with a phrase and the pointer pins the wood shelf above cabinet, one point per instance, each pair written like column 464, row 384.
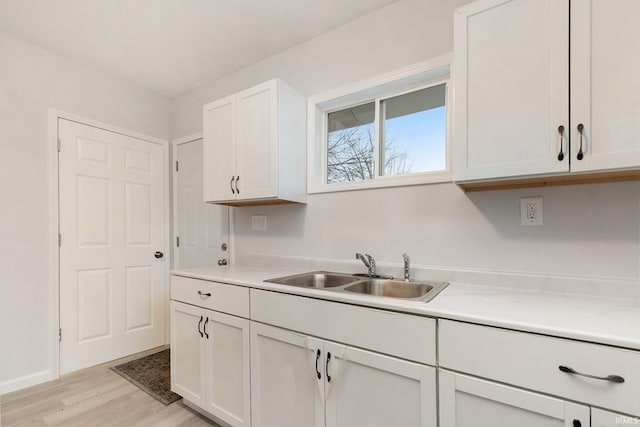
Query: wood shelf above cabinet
column 551, row 181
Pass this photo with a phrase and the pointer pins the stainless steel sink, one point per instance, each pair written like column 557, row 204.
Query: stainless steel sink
column 422, row 291
column 316, row 279
column 389, row 288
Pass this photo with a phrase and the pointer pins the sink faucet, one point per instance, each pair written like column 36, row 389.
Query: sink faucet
column 368, row 261
column 405, row 257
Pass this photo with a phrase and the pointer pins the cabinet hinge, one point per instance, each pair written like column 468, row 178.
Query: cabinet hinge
column 177, row 166
column 59, row 240
column 59, row 334
column 177, row 241
column 58, row 145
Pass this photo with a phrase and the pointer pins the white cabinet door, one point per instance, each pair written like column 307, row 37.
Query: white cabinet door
column 286, row 378
column 605, row 83
column 227, row 375
column 257, row 142
column 471, row 402
column 219, row 158
column 511, row 79
column 602, row 418
column 370, row 389
column 187, row 352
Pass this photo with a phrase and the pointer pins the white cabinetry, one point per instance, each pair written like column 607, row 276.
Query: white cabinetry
column 470, row 402
column 299, row 380
column 210, row 350
column 596, row 375
column 255, row 147
column 513, row 91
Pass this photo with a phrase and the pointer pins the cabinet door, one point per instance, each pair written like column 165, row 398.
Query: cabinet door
column 511, row 80
column 286, row 378
column 257, row 141
column 601, row 418
column 471, row 402
column 187, row 352
column 219, row 157
column 227, row 355
column 370, row 389
column 605, row 83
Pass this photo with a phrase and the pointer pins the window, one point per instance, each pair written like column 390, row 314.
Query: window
column 390, row 133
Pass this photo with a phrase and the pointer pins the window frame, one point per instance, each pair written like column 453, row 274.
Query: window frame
column 425, row 74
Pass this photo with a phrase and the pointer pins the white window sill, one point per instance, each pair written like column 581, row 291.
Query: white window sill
column 425, row 178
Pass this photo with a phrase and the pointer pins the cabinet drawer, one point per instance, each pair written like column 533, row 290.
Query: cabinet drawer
column 396, row 334
column 224, row 298
column 532, row 361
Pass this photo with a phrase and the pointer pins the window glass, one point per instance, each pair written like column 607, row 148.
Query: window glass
column 350, row 144
column 413, row 132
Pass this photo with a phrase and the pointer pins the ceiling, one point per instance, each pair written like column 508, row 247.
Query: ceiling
column 173, row 46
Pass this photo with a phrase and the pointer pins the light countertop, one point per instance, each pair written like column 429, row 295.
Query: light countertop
column 604, row 320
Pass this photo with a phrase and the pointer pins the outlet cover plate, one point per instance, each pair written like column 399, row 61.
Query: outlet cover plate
column 531, row 211
column 259, row 222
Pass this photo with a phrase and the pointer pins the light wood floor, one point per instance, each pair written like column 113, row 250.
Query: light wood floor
column 97, row 397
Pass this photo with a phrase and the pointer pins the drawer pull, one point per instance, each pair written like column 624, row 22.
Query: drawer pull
column 202, row 294
column 612, row 378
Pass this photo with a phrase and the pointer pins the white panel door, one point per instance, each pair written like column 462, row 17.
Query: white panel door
column 602, row 418
column 370, row 389
column 188, row 352
column 112, row 221
column 219, row 157
column 470, row 402
column 511, row 80
column 605, row 84
column 228, row 368
column 286, row 378
column 202, row 228
column 257, row 142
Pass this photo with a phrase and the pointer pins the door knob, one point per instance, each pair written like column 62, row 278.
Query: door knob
column 158, row 254
column 222, row 261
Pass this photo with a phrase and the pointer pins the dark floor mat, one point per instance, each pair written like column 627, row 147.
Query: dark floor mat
column 152, row 374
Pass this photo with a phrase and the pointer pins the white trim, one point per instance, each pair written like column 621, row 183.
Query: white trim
column 53, row 226
column 26, row 381
column 418, row 76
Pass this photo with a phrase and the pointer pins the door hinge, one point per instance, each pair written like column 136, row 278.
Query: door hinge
column 58, row 145
column 59, row 334
column 177, row 166
column 177, row 241
column 59, row 240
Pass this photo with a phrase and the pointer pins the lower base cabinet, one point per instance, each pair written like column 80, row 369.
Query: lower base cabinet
column 210, row 362
column 471, row 402
column 298, row 380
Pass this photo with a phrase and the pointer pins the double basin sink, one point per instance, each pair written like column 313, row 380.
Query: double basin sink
column 421, row 291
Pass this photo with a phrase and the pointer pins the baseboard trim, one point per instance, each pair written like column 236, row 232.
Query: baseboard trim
column 26, row 381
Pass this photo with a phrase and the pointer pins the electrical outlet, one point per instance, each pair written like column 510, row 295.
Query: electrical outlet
column 531, row 211
column 259, row 222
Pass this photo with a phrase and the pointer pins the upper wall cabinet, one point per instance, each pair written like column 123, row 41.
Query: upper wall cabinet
column 514, row 91
column 255, row 147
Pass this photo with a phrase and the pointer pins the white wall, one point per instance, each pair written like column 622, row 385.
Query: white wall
column 589, row 230
column 33, row 80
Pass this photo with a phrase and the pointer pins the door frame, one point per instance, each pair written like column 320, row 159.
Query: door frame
column 174, row 198
column 54, row 225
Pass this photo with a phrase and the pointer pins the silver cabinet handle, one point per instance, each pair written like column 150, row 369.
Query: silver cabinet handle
column 237, row 181
column 561, row 153
column 231, row 184
column 613, row 378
